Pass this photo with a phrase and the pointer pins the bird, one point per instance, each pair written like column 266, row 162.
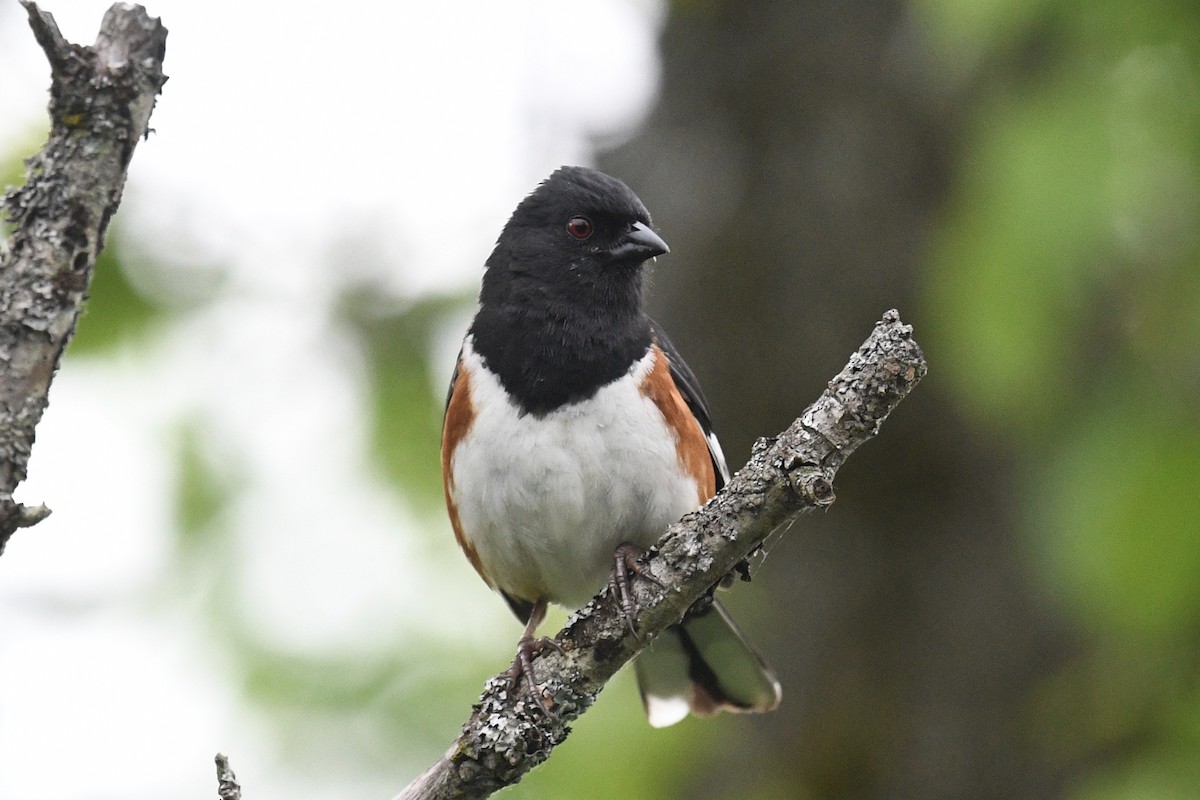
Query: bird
column 575, row 434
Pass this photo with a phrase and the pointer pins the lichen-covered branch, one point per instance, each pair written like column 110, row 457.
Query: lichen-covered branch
column 505, row 737
column 100, row 103
column 228, row 787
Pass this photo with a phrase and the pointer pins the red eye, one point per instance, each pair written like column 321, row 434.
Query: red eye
column 579, row 227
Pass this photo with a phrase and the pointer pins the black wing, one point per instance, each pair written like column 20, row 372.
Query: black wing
column 453, row 380
column 693, row 395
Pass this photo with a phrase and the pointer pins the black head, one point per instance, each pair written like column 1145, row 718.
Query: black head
column 560, row 311
column 580, row 235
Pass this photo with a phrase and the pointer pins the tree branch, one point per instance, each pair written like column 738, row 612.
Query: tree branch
column 228, row 787
column 100, row 103
column 785, row 477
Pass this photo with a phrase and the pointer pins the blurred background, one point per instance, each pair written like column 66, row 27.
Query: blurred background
column 248, row 551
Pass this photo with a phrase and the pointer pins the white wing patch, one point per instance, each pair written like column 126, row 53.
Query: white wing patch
column 718, row 457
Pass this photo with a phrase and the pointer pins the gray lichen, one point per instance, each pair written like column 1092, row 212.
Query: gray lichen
column 100, row 106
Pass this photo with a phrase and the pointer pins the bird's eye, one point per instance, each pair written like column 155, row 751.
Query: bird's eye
column 579, row 227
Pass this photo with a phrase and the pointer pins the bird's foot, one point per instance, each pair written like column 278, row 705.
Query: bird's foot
column 528, row 648
column 627, row 562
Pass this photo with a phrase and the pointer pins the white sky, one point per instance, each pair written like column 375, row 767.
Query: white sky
column 284, row 131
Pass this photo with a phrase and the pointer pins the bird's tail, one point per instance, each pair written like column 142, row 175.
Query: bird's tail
column 704, row 665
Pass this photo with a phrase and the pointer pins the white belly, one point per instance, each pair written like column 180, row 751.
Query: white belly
column 545, row 501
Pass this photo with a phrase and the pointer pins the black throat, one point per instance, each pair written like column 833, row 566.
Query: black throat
column 551, row 354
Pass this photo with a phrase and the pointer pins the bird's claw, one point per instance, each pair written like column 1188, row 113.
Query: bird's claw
column 627, row 561
column 522, row 667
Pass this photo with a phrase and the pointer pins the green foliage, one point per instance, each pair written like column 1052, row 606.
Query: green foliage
column 606, row 754
column 1011, row 271
column 203, row 490
column 1066, row 293
column 1117, row 518
column 115, row 313
column 1074, row 230
column 406, row 409
column 393, row 701
column 1166, row 776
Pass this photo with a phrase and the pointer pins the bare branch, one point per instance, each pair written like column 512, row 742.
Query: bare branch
column 793, row 473
column 228, row 787
column 100, row 103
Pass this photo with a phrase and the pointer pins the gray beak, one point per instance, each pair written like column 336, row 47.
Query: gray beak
column 640, row 243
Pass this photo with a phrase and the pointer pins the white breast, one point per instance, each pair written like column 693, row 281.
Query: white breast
column 545, row 501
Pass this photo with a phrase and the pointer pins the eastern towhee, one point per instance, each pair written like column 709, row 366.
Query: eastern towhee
column 575, row 435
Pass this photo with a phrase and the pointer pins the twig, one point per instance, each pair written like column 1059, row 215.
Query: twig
column 505, row 738
column 227, row 783
column 100, row 103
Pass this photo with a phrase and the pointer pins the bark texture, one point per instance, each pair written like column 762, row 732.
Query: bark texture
column 101, row 98
column 228, row 787
column 785, row 477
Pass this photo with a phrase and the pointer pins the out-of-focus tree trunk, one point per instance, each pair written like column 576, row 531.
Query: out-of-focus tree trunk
column 796, row 164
